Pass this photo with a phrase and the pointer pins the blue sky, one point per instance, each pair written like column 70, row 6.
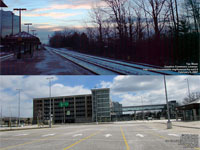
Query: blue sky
column 48, row 16
column 128, row 90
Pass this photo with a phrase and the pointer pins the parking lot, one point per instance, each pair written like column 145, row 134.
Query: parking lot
column 116, row 136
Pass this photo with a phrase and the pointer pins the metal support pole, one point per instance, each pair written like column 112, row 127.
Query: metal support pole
column 96, row 107
column 169, row 124
column 50, row 100
column 19, row 107
column 188, row 89
column 28, row 24
column 142, row 109
column 20, row 9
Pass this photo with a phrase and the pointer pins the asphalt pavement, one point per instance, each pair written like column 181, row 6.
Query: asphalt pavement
column 117, row 136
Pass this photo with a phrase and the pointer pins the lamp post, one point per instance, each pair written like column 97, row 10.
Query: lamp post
column 50, row 99
column 28, row 24
column 188, row 88
column 169, row 124
column 20, row 14
column 19, row 90
column 142, row 109
column 33, row 32
column 96, row 106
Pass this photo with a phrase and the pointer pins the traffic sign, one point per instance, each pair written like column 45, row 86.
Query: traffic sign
column 68, row 113
column 63, row 104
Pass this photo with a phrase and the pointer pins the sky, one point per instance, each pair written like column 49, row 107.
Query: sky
column 128, row 90
column 48, row 16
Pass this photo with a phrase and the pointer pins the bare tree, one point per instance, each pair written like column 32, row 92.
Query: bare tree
column 193, row 96
column 157, row 11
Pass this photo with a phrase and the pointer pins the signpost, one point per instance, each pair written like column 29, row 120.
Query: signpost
column 64, row 104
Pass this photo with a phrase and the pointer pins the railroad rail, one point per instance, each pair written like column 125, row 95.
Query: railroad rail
column 105, row 66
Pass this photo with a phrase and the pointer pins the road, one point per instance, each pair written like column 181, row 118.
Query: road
column 118, row 136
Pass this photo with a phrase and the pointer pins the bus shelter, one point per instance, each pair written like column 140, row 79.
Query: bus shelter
column 22, row 43
column 191, row 111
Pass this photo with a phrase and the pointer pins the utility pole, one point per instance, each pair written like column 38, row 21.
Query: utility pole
column 169, row 124
column 20, row 14
column 50, row 99
column 19, row 107
column 28, row 24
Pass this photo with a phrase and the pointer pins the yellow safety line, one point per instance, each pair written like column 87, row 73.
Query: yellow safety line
column 83, row 139
column 125, row 141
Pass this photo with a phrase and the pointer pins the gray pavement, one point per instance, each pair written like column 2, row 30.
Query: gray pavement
column 117, row 136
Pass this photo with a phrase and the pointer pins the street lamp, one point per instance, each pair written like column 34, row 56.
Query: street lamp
column 142, row 109
column 96, row 104
column 169, row 124
column 50, row 99
column 33, row 32
column 28, row 24
column 19, row 90
column 20, row 14
column 188, row 88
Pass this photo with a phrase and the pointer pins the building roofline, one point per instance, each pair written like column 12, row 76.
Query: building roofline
column 62, row 96
column 100, row 89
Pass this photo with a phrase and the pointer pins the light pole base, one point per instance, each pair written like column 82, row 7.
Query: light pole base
column 169, row 125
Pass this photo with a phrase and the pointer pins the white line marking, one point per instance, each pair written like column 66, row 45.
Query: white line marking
column 107, row 135
column 48, row 135
column 77, row 135
column 173, row 134
column 20, row 134
column 140, row 135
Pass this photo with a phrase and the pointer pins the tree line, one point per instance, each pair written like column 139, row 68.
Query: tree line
column 160, row 32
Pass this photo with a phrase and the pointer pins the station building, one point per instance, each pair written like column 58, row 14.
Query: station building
column 80, row 108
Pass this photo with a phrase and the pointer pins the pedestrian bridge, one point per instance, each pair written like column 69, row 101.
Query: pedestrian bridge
column 144, row 107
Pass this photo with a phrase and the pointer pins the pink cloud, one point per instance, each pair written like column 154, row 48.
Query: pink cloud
column 55, row 15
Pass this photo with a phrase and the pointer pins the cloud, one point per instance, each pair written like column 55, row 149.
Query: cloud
column 130, row 89
column 32, row 87
column 55, row 15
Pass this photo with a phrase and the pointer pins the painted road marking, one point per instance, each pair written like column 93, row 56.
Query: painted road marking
column 83, row 139
column 48, row 135
column 140, row 135
column 107, row 135
column 21, row 134
column 125, row 141
column 173, row 134
column 77, row 135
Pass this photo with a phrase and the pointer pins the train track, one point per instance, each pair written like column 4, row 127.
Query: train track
column 6, row 57
column 104, row 66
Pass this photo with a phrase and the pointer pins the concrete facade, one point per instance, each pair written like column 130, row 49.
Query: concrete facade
column 81, row 108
